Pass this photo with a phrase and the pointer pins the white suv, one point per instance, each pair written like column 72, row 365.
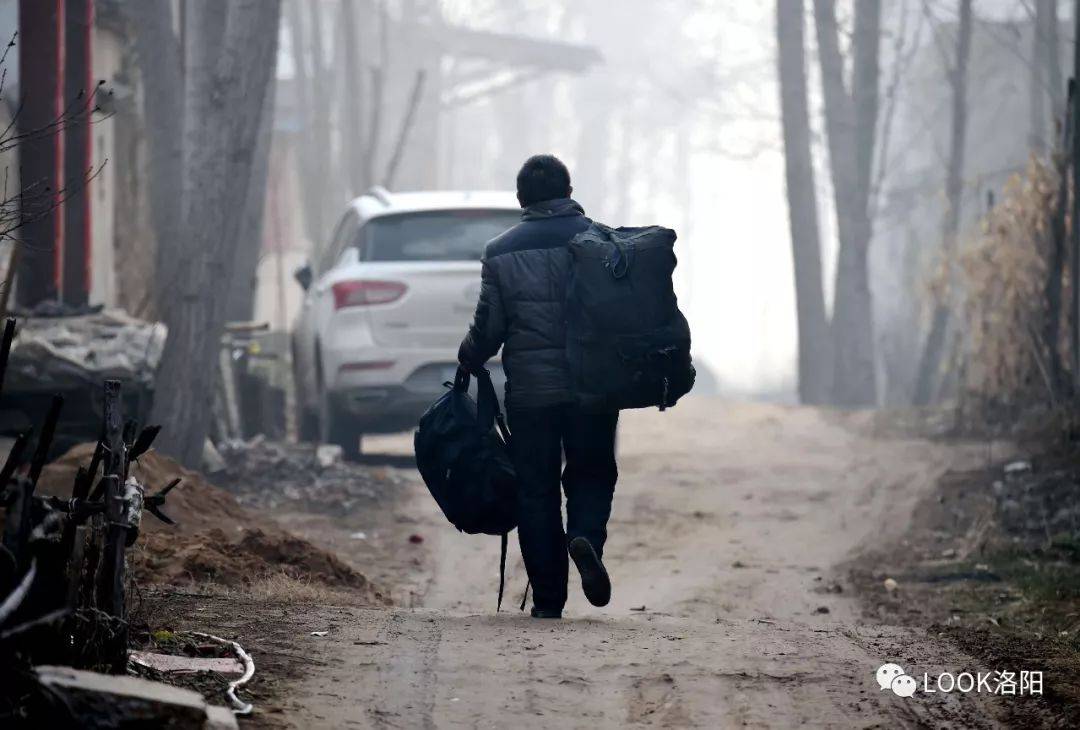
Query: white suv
column 385, row 307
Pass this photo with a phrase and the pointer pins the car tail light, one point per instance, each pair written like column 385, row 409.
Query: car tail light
column 363, row 292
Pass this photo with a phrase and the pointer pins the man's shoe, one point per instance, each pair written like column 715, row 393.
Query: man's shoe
column 594, row 578
column 546, row 612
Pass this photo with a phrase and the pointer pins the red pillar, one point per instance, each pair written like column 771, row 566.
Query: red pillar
column 40, row 153
column 78, row 151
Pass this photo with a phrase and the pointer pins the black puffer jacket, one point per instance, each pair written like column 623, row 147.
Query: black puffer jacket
column 522, row 298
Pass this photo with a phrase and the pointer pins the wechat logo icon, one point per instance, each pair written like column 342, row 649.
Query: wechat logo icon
column 891, row 676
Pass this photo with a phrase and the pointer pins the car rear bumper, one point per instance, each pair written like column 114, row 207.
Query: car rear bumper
column 396, row 405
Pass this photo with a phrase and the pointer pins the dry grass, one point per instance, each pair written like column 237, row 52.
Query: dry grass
column 998, row 286
column 289, row 589
column 277, row 588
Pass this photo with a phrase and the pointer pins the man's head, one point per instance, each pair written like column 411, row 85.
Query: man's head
column 542, row 177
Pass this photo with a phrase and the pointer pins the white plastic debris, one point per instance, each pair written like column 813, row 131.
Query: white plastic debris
column 326, row 455
column 186, row 664
column 239, row 706
column 1018, row 467
column 319, row 633
column 891, row 585
column 212, row 461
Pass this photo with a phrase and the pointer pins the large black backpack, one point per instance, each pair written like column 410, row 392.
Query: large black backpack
column 628, row 345
column 465, row 463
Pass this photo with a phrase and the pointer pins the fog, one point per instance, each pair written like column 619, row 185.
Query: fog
column 244, row 254
column 677, row 123
column 687, row 94
column 666, row 113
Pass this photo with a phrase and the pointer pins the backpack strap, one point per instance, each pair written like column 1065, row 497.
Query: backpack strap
column 502, row 570
column 488, row 412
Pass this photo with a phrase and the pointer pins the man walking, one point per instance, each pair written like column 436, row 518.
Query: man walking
column 521, row 309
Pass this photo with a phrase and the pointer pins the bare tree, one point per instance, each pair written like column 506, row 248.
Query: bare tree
column 814, row 366
column 352, row 126
column 1074, row 262
column 1036, row 82
column 311, row 187
column 241, row 295
column 1046, row 52
column 407, row 123
column 230, row 54
column 160, row 58
column 376, row 102
column 1052, row 286
column 1051, row 58
column 850, row 125
column 933, row 349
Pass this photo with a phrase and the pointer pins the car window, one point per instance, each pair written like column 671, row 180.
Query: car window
column 344, row 234
column 443, row 235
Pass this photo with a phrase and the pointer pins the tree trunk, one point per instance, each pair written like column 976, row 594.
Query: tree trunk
column 1055, row 267
column 1036, row 81
column 160, row 59
column 1046, row 26
column 933, row 350
column 230, row 55
column 309, row 172
column 850, row 124
column 377, row 99
column 814, row 380
column 241, row 306
column 1051, row 58
column 322, row 101
column 1074, row 268
column 352, row 129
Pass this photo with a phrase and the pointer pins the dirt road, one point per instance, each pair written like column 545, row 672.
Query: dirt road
column 729, row 522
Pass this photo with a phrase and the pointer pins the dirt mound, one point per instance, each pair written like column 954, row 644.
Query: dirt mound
column 211, row 556
column 215, row 539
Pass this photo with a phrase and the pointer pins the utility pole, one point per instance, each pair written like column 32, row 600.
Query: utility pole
column 40, row 155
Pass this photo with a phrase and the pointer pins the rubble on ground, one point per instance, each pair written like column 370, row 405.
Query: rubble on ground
column 58, row 353
column 991, row 561
column 70, row 355
column 266, row 474
column 1040, row 508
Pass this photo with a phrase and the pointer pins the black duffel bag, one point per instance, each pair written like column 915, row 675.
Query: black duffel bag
column 627, row 343
column 465, row 462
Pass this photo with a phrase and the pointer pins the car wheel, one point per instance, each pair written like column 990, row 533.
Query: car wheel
column 338, row 428
column 307, row 419
column 307, row 424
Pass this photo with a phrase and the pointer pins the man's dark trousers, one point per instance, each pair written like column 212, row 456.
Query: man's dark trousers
column 539, row 437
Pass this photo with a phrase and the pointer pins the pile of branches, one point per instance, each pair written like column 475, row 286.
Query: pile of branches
column 64, row 580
